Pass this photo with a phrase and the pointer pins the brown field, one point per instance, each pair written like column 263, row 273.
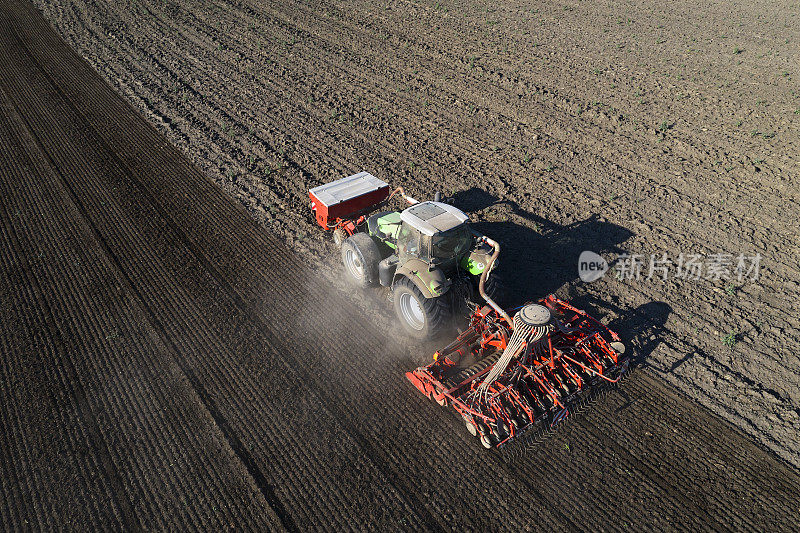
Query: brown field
column 174, row 359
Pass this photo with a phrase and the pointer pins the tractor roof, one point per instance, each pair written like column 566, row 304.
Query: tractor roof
column 431, row 218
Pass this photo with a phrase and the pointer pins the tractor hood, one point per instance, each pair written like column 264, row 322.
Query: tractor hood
column 430, row 218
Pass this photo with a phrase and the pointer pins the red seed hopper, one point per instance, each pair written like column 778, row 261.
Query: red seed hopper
column 338, row 202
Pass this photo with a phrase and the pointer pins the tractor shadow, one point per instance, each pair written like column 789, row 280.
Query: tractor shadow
column 540, row 257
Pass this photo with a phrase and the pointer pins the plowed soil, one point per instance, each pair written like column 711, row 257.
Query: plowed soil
column 169, row 362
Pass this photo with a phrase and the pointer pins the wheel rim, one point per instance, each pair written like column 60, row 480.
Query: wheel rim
column 486, row 442
column 471, row 428
column 412, row 311
column 353, row 264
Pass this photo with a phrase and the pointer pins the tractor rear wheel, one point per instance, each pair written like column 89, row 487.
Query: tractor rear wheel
column 361, row 256
column 422, row 318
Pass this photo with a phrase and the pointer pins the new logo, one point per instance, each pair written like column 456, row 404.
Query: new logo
column 591, row 266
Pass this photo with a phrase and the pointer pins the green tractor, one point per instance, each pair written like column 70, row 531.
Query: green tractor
column 429, row 257
column 434, row 264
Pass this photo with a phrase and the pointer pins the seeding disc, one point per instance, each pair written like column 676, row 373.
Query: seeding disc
column 534, row 315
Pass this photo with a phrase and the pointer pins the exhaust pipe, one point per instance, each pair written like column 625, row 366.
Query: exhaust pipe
column 485, row 274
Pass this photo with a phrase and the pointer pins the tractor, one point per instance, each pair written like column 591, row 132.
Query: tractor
column 427, row 254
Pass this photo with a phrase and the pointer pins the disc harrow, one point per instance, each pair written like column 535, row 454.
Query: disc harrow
column 505, row 376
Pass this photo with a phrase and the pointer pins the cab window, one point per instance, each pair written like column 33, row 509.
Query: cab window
column 408, row 241
column 451, row 243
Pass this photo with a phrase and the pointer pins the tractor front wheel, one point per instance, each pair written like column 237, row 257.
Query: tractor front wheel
column 339, row 237
column 361, row 256
column 422, row 318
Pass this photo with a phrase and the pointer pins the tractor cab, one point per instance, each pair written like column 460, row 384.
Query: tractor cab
column 435, row 233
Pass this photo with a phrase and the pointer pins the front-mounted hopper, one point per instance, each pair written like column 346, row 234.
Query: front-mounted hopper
column 508, row 375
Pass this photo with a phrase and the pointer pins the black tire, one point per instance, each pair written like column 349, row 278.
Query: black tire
column 339, row 237
column 360, row 256
column 424, row 319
